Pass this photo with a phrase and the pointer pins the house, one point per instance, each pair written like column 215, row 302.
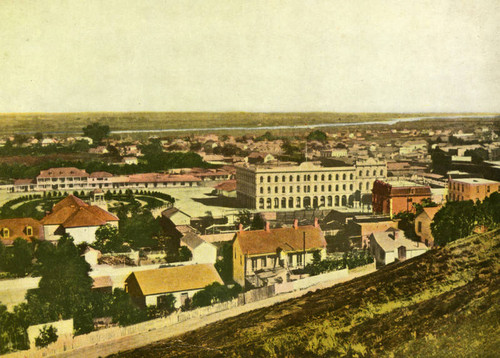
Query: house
column 393, row 197
column 203, row 252
column 149, row 287
column 255, row 158
column 263, row 257
column 75, row 217
column 130, row 160
column 102, row 284
column 99, row 150
column 25, row 228
column 176, row 216
column 423, row 225
column 62, row 179
column 365, row 225
column 226, row 188
column 460, row 189
column 391, row 245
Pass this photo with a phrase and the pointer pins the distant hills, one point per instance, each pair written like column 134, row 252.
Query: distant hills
column 445, row 303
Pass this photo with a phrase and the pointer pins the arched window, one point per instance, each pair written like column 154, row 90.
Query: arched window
column 351, row 176
column 367, row 185
column 269, row 190
column 261, row 190
column 261, row 180
column 322, row 177
column 374, row 172
column 360, row 186
column 268, row 178
column 360, row 173
column 276, row 179
column 315, row 177
column 276, row 190
column 367, row 173
column 298, row 188
column 336, row 177
column 283, row 190
column 261, row 203
column 290, row 190
column 290, row 178
column 381, row 172
column 315, row 188
column 283, row 179
column 322, row 188
column 329, row 177
column 351, row 187
column 330, row 201
column 268, row 203
column 337, row 187
column 343, row 176
column 343, row 186
column 298, row 177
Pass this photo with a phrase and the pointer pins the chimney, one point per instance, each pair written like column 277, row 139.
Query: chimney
column 267, row 226
column 395, row 235
column 296, row 224
column 316, row 223
column 241, row 227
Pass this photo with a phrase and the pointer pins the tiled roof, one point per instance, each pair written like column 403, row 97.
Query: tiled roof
column 62, row 172
column 431, row 211
column 191, row 240
column 74, row 212
column 387, row 243
column 24, row 182
column 174, row 279
column 102, row 281
column 17, row 228
column 229, row 185
column 101, row 175
column 287, row 239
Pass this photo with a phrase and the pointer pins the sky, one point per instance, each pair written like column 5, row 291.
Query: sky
column 260, row 56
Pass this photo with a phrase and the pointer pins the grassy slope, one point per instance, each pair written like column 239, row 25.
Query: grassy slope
column 442, row 304
column 74, row 122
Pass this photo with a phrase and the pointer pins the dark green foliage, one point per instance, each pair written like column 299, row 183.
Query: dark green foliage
column 214, row 293
column 441, row 161
column 96, row 131
column 165, row 306
column 140, row 230
column 478, row 155
column 13, row 327
column 185, row 254
column 350, row 260
column 17, row 259
column 318, row 135
column 425, row 203
column 407, row 224
column 109, row 240
column 225, row 266
column 244, row 217
column 458, row 219
column 257, row 223
column 48, row 335
column 123, row 311
column 65, row 286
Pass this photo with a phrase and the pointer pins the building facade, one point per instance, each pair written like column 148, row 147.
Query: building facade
column 393, row 197
column 306, row 185
column 460, row 189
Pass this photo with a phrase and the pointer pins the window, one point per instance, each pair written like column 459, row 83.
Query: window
column 263, row 262
column 367, row 173
column 298, row 177
column 344, row 177
column 283, row 190
column 283, row 179
column 290, row 178
column 268, row 179
column 329, row 188
column 337, row 187
column 276, row 190
column 5, row 233
column 254, row 264
column 322, row 177
column 298, row 189
column 29, row 231
column 351, row 187
column 315, row 188
column 360, row 173
column 419, row 226
column 261, row 180
column 329, row 177
column 276, row 179
column 351, row 176
column 336, row 177
column 322, row 188
column 291, row 189
column 268, row 190
column 315, row 177
column 381, row 172
column 299, row 259
column 262, row 190
column 343, row 187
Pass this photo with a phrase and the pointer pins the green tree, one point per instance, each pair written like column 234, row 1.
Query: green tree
column 140, row 230
column 453, row 221
column 48, row 335
column 98, row 132
column 123, row 311
column 224, row 266
column 244, row 217
column 109, row 240
column 18, row 258
column 214, row 293
column 257, row 223
column 65, row 286
column 185, row 254
column 318, row 135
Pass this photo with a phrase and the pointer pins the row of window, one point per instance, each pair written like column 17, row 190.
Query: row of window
column 5, row 232
column 315, row 177
column 307, row 188
column 306, row 202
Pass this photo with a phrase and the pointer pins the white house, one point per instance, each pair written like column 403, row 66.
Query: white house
column 75, row 217
column 149, row 287
column 203, row 252
column 392, row 245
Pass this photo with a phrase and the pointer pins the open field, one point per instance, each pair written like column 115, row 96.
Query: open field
column 72, row 123
column 445, row 303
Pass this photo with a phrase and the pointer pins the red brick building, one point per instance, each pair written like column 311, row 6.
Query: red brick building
column 461, row 189
column 393, row 197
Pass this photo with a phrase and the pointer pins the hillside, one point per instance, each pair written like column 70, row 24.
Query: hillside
column 442, row 304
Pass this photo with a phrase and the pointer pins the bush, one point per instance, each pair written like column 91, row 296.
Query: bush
column 48, row 335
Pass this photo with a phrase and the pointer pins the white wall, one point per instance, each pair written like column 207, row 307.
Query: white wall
column 152, row 299
column 83, row 234
column 205, row 254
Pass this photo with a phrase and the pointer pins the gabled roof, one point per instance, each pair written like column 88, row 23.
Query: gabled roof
column 192, row 240
column 62, row 173
column 229, row 185
column 287, row 239
column 431, row 211
column 17, row 228
column 388, row 243
column 174, row 279
column 74, row 212
column 101, row 175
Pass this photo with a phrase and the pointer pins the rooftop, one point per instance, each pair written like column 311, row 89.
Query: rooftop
column 477, row 181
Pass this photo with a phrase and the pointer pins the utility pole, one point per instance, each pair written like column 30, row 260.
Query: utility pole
column 304, row 248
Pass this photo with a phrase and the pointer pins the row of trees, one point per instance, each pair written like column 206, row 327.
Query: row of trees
column 458, row 219
column 351, row 259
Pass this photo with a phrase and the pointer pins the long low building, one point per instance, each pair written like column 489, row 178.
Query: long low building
column 76, row 179
column 307, row 185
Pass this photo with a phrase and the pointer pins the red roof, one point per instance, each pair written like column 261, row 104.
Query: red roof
column 229, row 185
column 62, row 173
column 101, row 175
column 287, row 239
column 74, row 212
column 18, row 227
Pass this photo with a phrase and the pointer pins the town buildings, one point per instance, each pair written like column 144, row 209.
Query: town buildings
column 76, row 218
column 264, row 257
column 306, row 185
column 423, row 224
column 391, row 245
column 149, row 287
column 25, row 228
column 460, row 189
column 393, row 197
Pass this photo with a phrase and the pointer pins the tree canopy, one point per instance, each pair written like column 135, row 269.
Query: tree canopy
column 96, row 131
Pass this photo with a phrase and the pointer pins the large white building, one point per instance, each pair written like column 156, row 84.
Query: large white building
column 307, row 185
